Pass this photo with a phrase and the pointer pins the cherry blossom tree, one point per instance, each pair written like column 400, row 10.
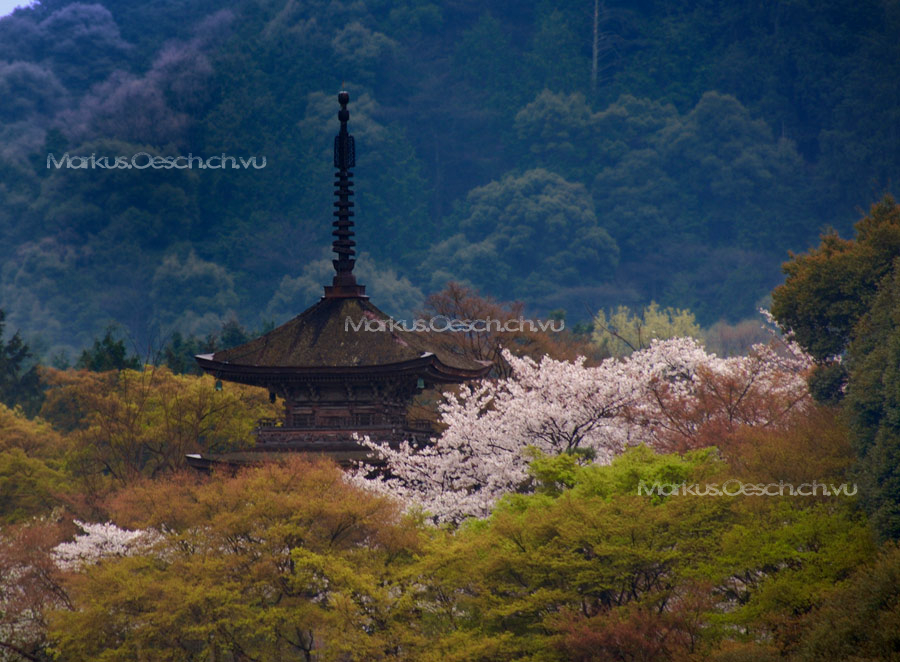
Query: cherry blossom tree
column 101, row 541
column 671, row 395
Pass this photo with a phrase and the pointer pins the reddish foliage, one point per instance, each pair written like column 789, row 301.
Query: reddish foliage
column 723, row 402
column 29, row 586
column 667, row 630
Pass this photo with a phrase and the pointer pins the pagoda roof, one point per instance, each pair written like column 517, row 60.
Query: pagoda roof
column 326, row 341
column 322, row 341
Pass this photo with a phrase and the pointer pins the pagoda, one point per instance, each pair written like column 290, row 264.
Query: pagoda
column 341, row 367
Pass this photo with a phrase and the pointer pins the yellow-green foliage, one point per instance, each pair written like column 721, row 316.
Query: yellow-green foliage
column 35, row 437
column 287, row 561
column 144, row 422
column 624, row 331
column 557, row 576
column 30, row 466
column 104, row 429
column 282, row 562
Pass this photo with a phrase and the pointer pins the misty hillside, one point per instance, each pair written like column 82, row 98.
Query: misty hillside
column 677, row 157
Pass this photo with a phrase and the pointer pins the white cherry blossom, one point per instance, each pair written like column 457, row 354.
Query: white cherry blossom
column 660, row 396
column 100, row 541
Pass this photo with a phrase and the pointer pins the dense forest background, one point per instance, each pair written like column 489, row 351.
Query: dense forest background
column 710, row 139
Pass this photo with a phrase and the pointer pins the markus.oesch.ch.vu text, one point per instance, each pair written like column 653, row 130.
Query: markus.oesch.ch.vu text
column 143, row 160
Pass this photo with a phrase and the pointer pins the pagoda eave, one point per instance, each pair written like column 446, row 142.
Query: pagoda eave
column 429, row 367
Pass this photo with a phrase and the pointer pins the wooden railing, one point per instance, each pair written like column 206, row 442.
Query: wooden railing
column 346, row 423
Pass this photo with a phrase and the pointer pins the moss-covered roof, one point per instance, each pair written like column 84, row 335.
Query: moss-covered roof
column 323, row 336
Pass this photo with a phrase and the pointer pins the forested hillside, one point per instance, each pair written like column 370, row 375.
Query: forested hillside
column 677, row 157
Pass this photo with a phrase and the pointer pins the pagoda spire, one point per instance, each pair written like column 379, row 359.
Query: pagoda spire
column 344, row 283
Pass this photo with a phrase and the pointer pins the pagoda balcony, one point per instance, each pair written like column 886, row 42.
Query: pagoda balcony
column 273, row 432
column 346, row 423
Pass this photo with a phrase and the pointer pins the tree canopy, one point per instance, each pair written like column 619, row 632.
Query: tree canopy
column 840, row 300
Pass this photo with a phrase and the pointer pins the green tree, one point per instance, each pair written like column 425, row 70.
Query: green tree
column 828, row 289
column 20, row 382
column 625, row 331
column 32, row 467
column 558, row 56
column 27, row 89
column 715, row 175
column 191, row 294
column 591, row 568
column 861, row 619
column 872, row 402
column 842, row 299
column 179, row 353
column 127, row 424
column 485, row 58
column 533, row 233
column 558, row 132
column 107, row 353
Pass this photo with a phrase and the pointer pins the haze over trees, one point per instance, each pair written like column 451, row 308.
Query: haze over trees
column 708, row 140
